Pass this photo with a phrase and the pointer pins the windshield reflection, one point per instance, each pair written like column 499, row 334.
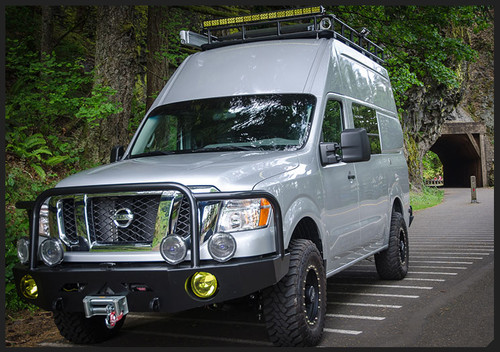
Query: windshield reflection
column 262, row 122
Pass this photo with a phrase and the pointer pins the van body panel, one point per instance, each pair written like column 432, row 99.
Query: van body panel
column 253, row 68
column 226, row 171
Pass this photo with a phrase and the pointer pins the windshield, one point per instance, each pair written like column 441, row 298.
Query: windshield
column 265, row 122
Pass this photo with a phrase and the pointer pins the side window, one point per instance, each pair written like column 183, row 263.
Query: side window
column 332, row 122
column 365, row 117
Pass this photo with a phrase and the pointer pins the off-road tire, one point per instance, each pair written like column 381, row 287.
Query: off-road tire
column 80, row 330
column 392, row 263
column 294, row 308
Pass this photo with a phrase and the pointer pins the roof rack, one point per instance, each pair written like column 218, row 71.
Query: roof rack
column 310, row 22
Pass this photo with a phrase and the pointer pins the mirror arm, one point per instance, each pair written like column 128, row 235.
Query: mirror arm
column 329, row 153
column 116, row 153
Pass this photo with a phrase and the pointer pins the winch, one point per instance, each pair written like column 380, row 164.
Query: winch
column 113, row 307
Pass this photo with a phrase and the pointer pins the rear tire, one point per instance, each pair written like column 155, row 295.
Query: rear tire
column 392, row 263
column 294, row 308
column 75, row 327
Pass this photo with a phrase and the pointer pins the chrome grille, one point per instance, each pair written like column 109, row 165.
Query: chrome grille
column 94, row 220
column 69, row 222
column 183, row 225
column 103, row 229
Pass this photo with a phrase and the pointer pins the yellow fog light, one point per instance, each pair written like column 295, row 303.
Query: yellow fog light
column 28, row 287
column 203, row 285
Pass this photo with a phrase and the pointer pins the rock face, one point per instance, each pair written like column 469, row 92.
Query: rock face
column 477, row 103
column 429, row 107
column 478, row 99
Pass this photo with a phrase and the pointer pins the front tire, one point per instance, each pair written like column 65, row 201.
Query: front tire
column 392, row 263
column 75, row 327
column 294, row 309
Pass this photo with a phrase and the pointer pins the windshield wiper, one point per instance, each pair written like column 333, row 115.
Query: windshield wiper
column 151, row 153
column 227, row 148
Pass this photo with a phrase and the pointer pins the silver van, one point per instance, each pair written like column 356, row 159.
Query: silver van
column 271, row 160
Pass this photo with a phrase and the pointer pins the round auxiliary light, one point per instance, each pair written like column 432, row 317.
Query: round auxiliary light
column 222, row 246
column 52, row 251
column 28, row 287
column 203, row 284
column 173, row 249
column 325, row 23
column 23, row 250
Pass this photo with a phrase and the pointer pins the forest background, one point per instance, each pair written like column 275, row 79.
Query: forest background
column 79, row 79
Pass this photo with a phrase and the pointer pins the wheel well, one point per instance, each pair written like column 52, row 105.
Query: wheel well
column 307, row 229
column 397, row 206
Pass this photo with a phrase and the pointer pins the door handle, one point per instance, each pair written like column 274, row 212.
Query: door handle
column 351, row 176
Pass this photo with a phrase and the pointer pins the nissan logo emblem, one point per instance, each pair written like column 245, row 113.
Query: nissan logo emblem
column 123, row 217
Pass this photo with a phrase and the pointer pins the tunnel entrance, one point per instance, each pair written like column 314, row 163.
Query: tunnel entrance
column 462, row 153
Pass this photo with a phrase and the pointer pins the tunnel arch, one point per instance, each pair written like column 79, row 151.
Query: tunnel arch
column 461, row 151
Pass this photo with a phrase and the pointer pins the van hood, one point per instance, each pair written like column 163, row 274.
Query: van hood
column 227, row 171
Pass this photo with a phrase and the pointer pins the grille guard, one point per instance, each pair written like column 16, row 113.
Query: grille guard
column 33, row 209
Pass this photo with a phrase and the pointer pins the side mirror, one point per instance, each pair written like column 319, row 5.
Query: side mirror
column 355, row 145
column 116, row 153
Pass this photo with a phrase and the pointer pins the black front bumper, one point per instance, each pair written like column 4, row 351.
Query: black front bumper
column 147, row 286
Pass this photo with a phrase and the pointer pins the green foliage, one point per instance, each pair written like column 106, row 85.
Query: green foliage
column 419, row 43
column 412, row 157
column 52, row 90
column 48, row 100
column 19, row 185
column 426, row 198
column 432, row 166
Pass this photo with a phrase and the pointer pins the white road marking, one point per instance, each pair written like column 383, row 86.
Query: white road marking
column 350, row 316
column 439, row 267
column 387, row 286
column 431, row 273
column 445, row 257
column 439, row 262
column 366, row 305
column 418, row 279
column 374, row 294
column 447, row 253
column 341, row 331
column 200, row 337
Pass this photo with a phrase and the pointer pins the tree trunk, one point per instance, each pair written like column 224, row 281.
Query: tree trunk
column 47, row 29
column 157, row 46
column 116, row 67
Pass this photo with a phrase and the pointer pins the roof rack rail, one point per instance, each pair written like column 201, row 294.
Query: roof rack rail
column 313, row 22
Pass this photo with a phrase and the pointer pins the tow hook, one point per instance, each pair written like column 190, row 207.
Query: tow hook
column 111, row 317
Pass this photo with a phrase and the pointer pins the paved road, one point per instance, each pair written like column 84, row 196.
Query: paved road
column 446, row 299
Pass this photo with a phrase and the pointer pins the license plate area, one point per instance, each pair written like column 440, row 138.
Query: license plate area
column 104, row 305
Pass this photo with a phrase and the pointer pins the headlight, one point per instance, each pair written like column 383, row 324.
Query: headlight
column 23, row 250
column 244, row 214
column 51, row 251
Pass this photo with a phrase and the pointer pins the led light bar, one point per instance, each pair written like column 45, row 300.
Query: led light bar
column 264, row 16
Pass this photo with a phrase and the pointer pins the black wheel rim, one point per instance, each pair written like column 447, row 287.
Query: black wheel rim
column 402, row 246
column 311, row 296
